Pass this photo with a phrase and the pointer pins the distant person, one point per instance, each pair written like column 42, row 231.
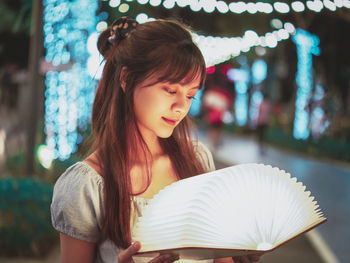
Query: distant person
column 263, row 122
column 216, row 102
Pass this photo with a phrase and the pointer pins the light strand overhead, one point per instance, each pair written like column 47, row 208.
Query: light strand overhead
column 209, row 6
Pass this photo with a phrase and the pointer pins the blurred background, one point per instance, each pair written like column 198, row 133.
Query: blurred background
column 277, row 92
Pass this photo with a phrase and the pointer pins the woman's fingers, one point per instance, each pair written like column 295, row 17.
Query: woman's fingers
column 126, row 255
column 255, row 258
column 241, row 259
column 165, row 258
column 245, row 259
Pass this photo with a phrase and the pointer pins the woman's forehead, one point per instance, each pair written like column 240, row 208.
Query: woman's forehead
column 192, row 78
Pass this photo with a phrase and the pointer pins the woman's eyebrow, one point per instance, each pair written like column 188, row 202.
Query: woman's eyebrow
column 184, row 83
column 167, row 84
column 193, row 88
column 197, row 87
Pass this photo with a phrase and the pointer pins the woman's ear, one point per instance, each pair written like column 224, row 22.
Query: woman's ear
column 123, row 75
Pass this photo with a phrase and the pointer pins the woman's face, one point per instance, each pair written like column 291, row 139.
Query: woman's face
column 159, row 108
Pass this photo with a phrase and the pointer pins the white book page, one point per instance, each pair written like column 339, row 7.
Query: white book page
column 250, row 206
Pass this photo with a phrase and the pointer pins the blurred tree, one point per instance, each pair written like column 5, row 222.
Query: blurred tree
column 14, row 31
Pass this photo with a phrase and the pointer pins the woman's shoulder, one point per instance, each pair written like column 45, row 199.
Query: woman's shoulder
column 78, row 182
column 79, row 173
column 77, row 203
column 204, row 155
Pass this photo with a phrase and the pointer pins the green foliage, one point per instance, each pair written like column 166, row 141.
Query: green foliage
column 281, row 138
column 15, row 167
column 325, row 147
column 25, row 221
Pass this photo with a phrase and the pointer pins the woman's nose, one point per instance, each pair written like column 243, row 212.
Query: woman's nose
column 181, row 104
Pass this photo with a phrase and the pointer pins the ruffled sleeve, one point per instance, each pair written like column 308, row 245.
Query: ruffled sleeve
column 204, row 155
column 77, row 205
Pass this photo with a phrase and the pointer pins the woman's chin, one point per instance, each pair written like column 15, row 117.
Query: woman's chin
column 165, row 135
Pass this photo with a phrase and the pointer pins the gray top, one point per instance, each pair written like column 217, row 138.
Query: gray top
column 77, row 206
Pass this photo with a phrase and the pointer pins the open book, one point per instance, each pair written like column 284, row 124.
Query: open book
column 239, row 210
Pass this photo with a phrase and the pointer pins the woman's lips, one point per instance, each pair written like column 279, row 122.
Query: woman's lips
column 169, row 121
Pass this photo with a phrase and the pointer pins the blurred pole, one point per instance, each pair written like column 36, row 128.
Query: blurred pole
column 34, row 57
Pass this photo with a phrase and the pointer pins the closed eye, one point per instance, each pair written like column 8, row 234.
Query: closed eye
column 170, row 91
column 174, row 92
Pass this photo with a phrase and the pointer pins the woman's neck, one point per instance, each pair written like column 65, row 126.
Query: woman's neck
column 154, row 152
column 154, row 146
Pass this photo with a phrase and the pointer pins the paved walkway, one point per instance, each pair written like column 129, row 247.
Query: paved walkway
column 329, row 183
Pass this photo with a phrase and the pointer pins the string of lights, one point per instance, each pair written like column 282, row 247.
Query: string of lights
column 220, row 49
column 69, row 88
column 240, row 7
column 307, row 45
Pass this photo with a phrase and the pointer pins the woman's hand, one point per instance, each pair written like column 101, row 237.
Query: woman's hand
column 247, row 259
column 126, row 255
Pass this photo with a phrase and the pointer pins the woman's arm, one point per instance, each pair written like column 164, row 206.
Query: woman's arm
column 239, row 259
column 76, row 251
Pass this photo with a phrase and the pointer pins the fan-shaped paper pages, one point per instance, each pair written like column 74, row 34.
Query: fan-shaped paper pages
column 237, row 210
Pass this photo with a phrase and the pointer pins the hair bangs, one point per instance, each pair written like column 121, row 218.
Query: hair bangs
column 181, row 65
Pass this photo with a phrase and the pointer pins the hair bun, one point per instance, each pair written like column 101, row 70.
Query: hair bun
column 121, row 28
column 103, row 45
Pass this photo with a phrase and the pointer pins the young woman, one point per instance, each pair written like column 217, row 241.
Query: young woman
column 142, row 140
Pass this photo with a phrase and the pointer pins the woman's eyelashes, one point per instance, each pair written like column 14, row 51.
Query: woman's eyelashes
column 171, row 91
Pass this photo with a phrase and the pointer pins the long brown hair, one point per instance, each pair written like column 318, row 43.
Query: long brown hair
column 160, row 47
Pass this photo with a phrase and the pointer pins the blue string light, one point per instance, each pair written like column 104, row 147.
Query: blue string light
column 259, row 73
column 307, row 45
column 196, row 103
column 241, row 78
column 69, row 88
